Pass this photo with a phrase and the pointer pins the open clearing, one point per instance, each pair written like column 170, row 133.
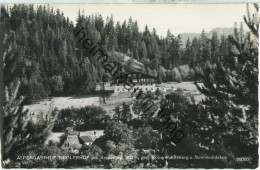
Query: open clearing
column 111, row 103
column 62, row 103
column 82, row 101
column 76, row 102
column 189, row 86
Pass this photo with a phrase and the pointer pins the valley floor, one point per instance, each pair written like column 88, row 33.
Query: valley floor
column 109, row 105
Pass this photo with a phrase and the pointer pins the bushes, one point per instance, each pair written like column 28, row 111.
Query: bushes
column 158, row 92
column 176, row 76
column 34, row 91
column 122, row 113
column 56, row 84
column 86, row 118
column 146, row 137
column 184, row 71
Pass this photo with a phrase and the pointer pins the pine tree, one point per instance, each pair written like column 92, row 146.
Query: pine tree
column 118, row 113
column 169, row 37
column 159, row 79
column 231, row 103
column 143, row 51
column 214, row 47
column 137, row 108
column 126, row 114
column 205, row 46
column 188, row 52
column 19, row 132
column 176, row 76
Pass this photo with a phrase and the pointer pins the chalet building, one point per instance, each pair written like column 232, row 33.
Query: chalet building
column 143, row 81
column 73, row 142
column 134, row 71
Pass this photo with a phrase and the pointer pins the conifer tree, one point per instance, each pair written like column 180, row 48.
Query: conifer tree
column 126, row 114
column 118, row 113
column 231, row 104
column 19, row 132
column 214, row 47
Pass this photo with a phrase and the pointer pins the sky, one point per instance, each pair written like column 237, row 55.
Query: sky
column 179, row 18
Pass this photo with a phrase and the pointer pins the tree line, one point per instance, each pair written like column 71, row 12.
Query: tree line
column 51, row 62
column 225, row 122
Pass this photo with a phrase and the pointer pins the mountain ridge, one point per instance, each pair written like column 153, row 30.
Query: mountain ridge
column 220, row 31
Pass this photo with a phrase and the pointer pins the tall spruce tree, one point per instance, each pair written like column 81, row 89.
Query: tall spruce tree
column 231, row 103
column 19, row 133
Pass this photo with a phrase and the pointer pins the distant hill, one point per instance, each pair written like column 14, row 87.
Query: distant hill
column 219, row 30
column 185, row 36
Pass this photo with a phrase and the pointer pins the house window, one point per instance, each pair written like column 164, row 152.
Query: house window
column 146, row 89
column 151, row 88
column 118, row 89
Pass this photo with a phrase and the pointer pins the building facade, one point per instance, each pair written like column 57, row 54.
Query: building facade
column 71, row 144
column 142, row 81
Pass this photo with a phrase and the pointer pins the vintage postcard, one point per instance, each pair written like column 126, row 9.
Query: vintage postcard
column 130, row 85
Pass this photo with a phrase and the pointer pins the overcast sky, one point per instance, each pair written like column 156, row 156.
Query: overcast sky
column 179, row 18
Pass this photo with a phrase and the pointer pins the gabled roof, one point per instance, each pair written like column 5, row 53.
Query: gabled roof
column 73, row 141
column 86, row 139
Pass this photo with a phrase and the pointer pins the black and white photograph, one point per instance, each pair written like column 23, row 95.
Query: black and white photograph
column 129, row 85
